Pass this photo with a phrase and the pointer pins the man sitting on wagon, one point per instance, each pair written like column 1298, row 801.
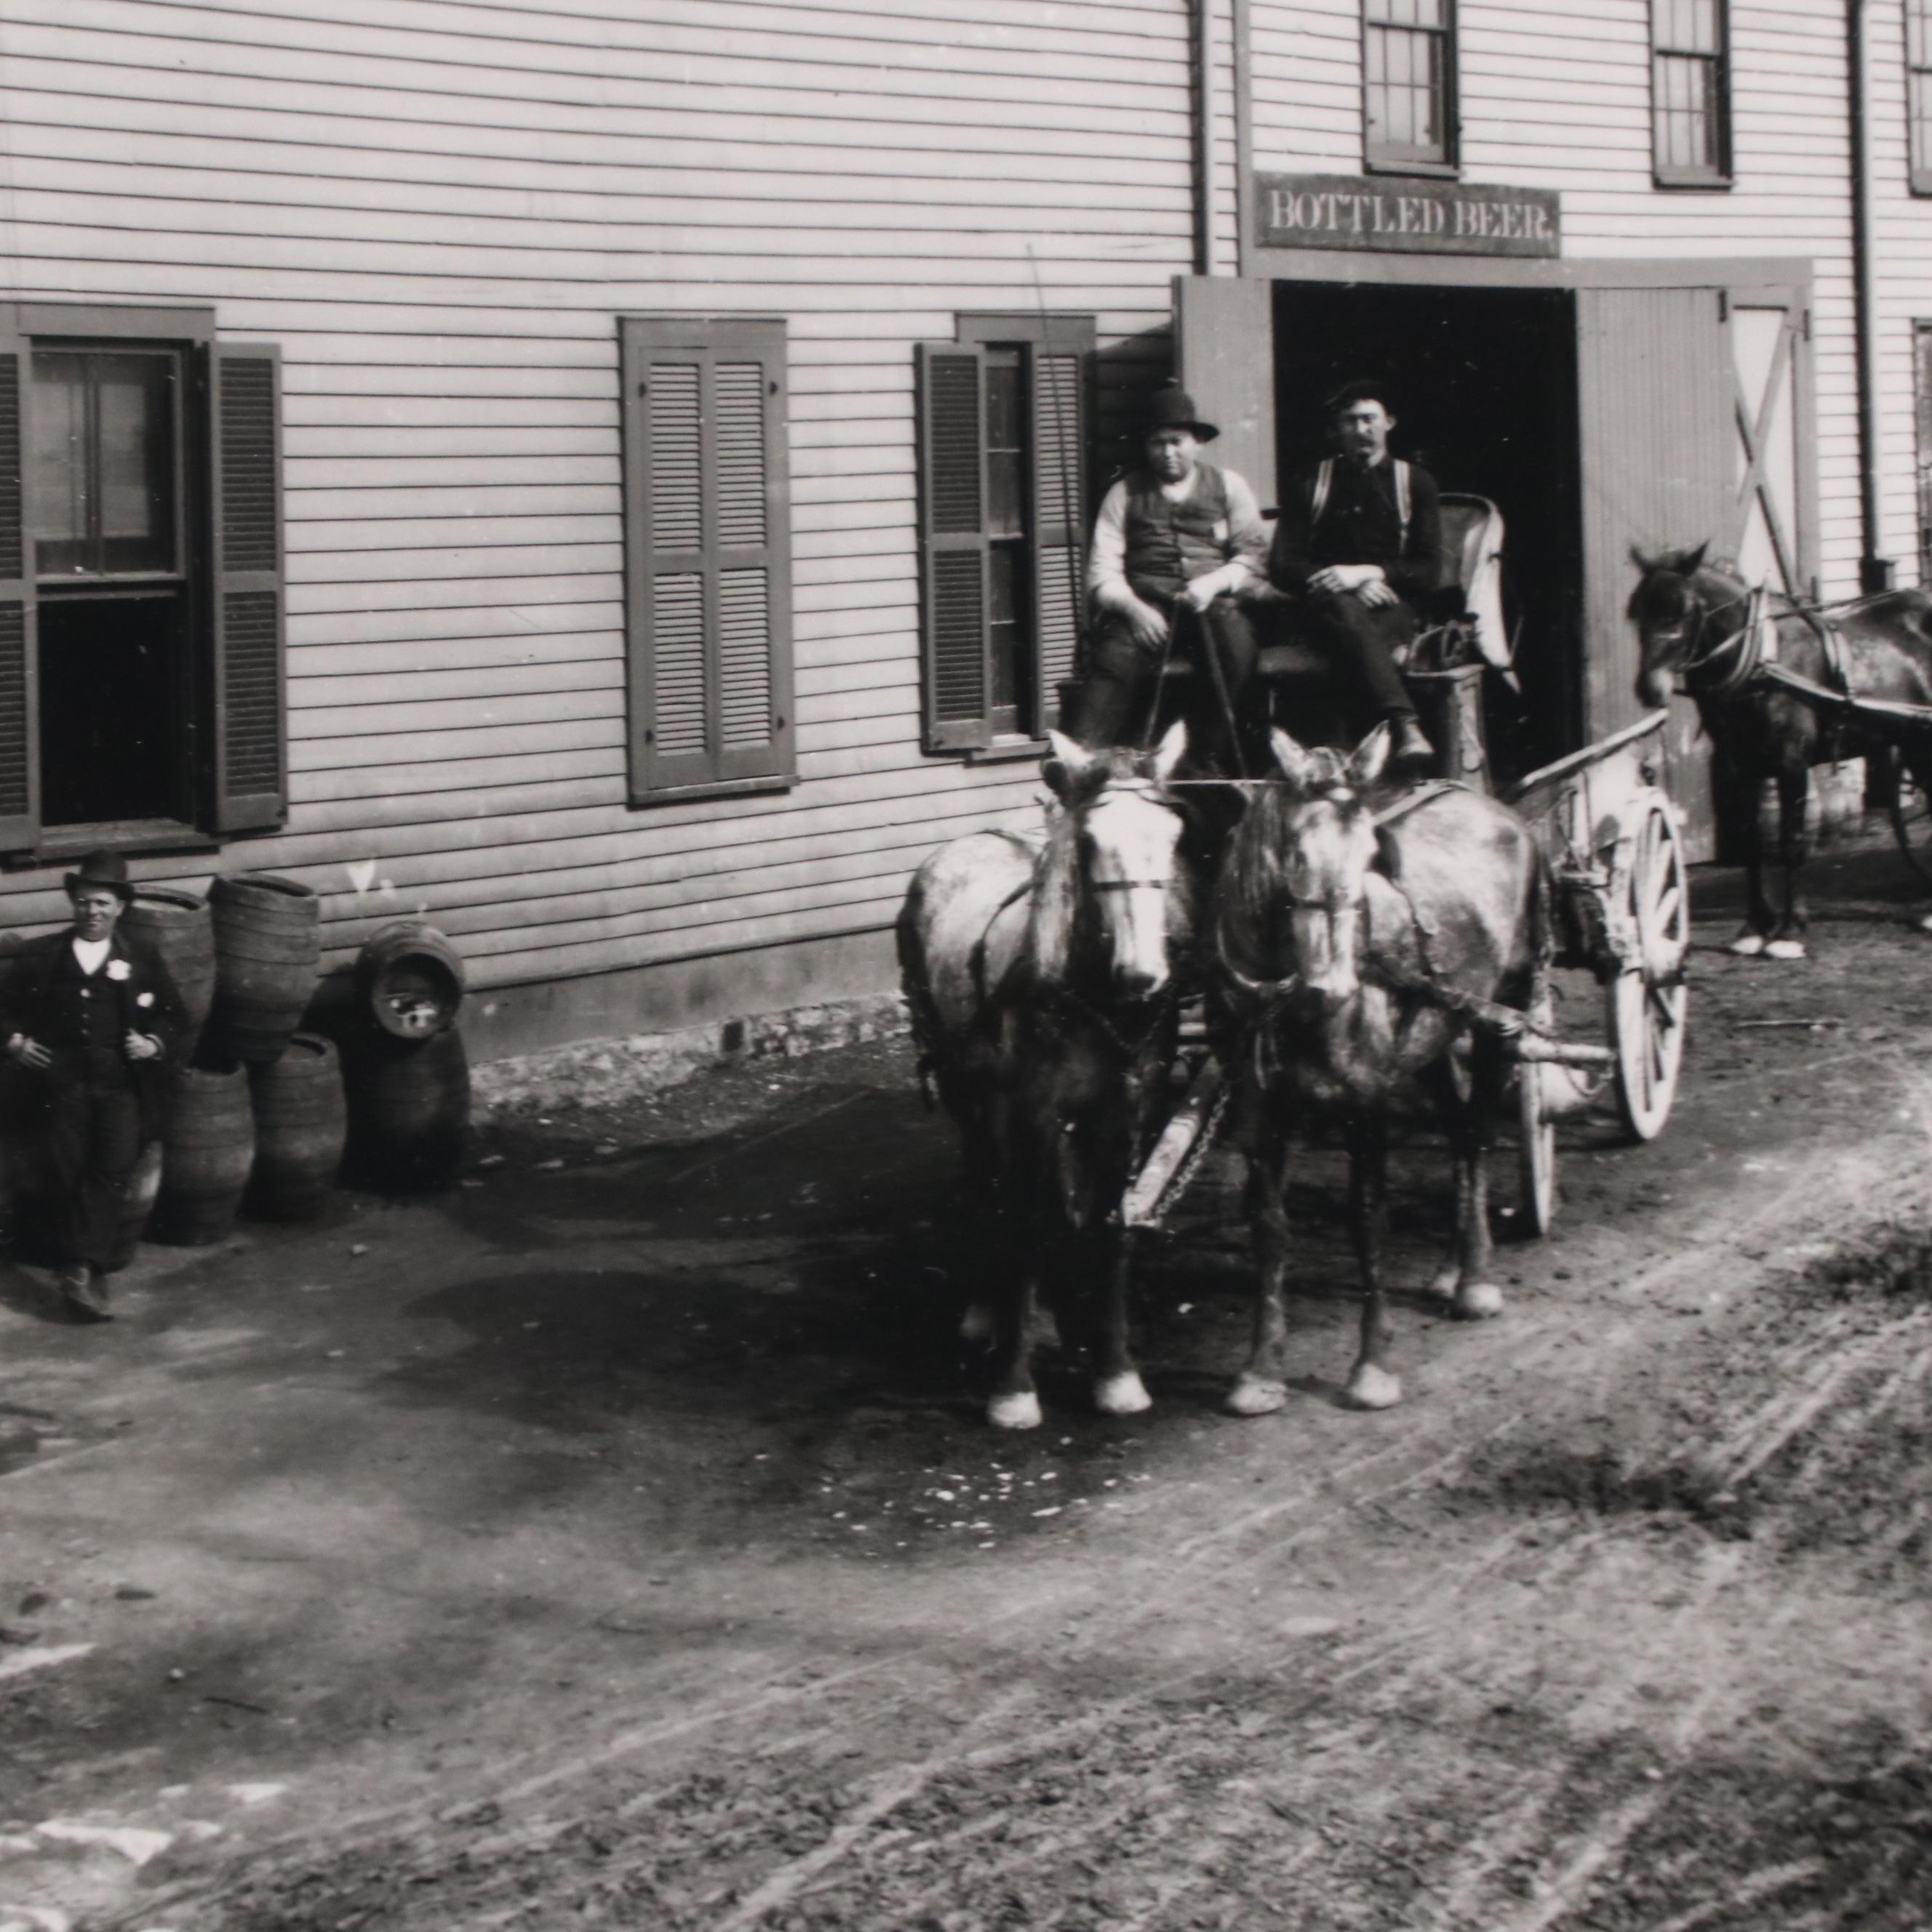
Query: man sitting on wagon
column 1176, row 540
column 1360, row 543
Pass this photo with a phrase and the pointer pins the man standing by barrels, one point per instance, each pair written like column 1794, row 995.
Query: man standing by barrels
column 1176, row 541
column 93, row 1013
column 1360, row 540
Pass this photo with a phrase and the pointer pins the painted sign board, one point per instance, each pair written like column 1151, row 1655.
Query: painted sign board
column 1407, row 216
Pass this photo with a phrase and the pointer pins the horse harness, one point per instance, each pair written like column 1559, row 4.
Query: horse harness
column 1752, row 649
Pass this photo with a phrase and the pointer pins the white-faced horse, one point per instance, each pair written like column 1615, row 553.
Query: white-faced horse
column 1357, row 949
column 1043, row 987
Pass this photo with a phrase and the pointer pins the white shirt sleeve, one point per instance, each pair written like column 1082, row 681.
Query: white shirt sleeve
column 1107, row 560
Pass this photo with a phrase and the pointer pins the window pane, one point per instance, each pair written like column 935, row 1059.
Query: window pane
column 1918, row 34
column 1686, row 114
column 1005, row 449
column 1404, row 95
column 60, row 469
column 137, row 463
column 1920, row 87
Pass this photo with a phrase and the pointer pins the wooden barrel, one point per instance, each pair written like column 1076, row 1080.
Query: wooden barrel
column 267, row 959
column 143, row 1186
column 207, row 1149
column 300, row 1124
column 177, row 925
column 409, row 979
column 409, row 1109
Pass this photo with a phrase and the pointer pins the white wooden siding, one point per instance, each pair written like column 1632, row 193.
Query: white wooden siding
column 1559, row 97
column 440, row 211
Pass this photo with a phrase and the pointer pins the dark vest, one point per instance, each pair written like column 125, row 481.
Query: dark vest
column 1169, row 545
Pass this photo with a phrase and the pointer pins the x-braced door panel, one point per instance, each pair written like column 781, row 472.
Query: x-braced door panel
column 1772, row 531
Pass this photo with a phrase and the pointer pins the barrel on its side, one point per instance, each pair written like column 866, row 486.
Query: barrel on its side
column 409, row 1109
column 207, row 1149
column 178, row 926
column 301, row 1122
column 268, row 957
column 409, row 979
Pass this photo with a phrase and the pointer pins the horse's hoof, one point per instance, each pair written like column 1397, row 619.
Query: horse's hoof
column 1123, row 1394
column 1477, row 1300
column 1924, row 923
column 1372, row 1387
column 1785, row 949
column 1014, row 1411
column 1251, row 1396
column 1746, row 945
column 977, row 1324
column 1447, row 1279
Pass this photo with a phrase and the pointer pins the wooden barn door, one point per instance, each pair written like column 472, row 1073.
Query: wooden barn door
column 1655, row 402
column 1772, row 530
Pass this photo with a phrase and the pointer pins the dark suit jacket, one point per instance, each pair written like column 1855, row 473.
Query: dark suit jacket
column 1361, row 523
column 39, row 996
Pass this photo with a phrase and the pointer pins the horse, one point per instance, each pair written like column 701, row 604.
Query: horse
column 1358, row 951
column 1044, row 989
column 1698, row 633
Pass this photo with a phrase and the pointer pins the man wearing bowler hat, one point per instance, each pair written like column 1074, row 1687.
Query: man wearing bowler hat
column 1360, row 540
column 1176, row 541
column 92, row 1013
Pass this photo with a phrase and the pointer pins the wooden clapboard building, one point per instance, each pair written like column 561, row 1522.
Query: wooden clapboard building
column 609, row 474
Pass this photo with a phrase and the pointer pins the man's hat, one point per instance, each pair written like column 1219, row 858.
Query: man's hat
column 103, row 869
column 1363, row 389
column 1174, row 409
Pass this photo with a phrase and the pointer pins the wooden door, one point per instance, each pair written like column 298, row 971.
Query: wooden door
column 1654, row 400
column 1772, row 530
column 1224, row 352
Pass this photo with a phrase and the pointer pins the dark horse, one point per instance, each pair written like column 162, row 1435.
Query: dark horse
column 1044, row 989
column 1360, row 941
column 1700, row 632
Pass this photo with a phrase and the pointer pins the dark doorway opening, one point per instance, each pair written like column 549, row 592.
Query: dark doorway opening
column 110, row 710
column 1487, row 380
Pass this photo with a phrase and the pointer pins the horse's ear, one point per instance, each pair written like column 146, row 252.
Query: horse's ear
column 1648, row 565
column 1366, row 760
column 1171, row 749
column 1064, row 763
column 1300, row 767
column 1690, row 562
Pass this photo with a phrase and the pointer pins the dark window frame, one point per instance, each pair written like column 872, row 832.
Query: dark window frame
column 1919, row 96
column 229, row 760
column 1385, row 158
column 1719, row 172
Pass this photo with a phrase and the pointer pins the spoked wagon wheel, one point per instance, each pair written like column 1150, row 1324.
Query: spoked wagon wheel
column 1647, row 997
column 1912, row 825
column 1536, row 1133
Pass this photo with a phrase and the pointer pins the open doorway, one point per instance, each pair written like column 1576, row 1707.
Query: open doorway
column 1487, row 380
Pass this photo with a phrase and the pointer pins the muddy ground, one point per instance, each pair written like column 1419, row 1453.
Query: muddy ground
column 616, row 1542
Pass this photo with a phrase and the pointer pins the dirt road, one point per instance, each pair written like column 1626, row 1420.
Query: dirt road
column 617, row 1544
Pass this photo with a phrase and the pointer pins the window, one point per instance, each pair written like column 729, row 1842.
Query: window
column 1690, row 85
column 1408, row 84
column 141, row 588
column 1003, row 508
column 708, row 545
column 1918, row 91
column 1921, row 349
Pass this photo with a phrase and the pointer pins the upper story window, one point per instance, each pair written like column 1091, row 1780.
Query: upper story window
column 142, row 678
column 1690, row 88
column 1408, row 77
column 1918, row 91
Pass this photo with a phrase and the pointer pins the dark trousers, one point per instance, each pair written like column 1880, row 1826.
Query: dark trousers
column 94, row 1140
column 1122, row 685
column 1362, row 643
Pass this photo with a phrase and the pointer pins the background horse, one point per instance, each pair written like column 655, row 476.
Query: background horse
column 1045, row 996
column 1356, row 956
column 1694, row 621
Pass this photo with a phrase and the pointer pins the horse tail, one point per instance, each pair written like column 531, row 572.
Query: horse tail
column 915, row 984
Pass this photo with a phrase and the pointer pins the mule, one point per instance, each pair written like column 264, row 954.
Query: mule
column 1044, row 987
column 1359, row 954
column 1694, row 621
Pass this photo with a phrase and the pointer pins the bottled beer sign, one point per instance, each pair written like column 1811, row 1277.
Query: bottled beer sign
column 1406, row 216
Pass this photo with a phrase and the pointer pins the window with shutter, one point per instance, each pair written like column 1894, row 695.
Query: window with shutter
column 1004, row 505
column 708, row 550
column 142, row 685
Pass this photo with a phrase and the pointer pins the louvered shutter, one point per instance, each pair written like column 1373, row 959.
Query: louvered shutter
column 249, row 605
column 708, row 534
column 20, row 681
column 1057, row 386
column 957, row 670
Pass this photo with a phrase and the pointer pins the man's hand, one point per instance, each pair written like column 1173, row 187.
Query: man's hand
column 1376, row 591
column 141, row 1045
column 28, row 1051
column 1148, row 626
column 1365, row 580
column 1199, row 594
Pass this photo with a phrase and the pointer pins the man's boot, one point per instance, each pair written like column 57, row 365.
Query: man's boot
column 1412, row 756
column 85, row 1291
